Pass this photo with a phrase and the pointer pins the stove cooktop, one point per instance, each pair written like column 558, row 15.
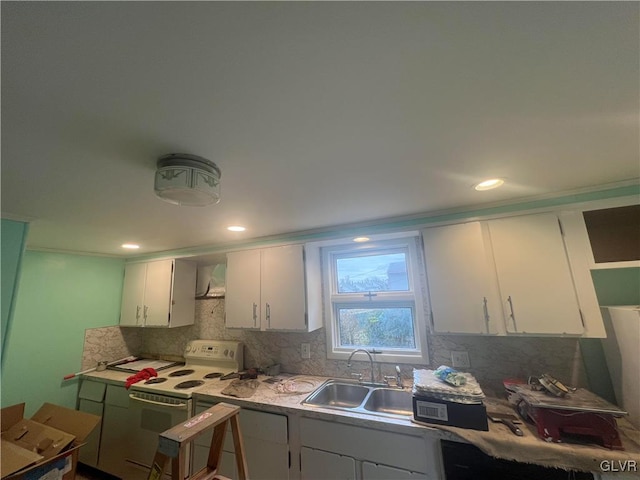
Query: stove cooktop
column 205, row 362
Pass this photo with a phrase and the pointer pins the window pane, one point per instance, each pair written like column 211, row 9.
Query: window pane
column 386, row 327
column 372, row 273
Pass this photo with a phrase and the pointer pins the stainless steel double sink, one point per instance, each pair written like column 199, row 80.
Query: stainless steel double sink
column 362, row 398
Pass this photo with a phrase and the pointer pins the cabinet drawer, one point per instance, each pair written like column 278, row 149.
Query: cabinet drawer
column 261, row 426
column 94, row 391
column 416, row 454
column 117, row 396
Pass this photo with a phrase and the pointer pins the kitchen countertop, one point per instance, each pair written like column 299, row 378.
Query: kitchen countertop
column 498, row 441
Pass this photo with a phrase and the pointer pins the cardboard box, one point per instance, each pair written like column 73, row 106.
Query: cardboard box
column 44, row 446
column 443, row 412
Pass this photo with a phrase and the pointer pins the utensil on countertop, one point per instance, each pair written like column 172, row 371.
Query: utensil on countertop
column 99, row 367
column 507, row 419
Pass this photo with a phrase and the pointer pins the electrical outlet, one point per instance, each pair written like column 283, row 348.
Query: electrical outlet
column 305, row 350
column 460, row 359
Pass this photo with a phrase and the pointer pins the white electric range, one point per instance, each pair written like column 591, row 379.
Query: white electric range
column 205, row 361
column 162, row 402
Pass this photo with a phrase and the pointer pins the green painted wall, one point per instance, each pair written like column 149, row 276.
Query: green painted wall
column 60, row 296
column 13, row 236
column 617, row 286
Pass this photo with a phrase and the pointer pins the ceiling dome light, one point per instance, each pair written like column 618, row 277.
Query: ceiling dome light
column 361, row 239
column 184, row 179
column 236, row 228
column 130, row 246
column 489, row 184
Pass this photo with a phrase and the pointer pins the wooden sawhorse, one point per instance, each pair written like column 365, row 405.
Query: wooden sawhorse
column 172, row 444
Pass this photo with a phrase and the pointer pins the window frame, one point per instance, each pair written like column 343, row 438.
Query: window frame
column 413, row 298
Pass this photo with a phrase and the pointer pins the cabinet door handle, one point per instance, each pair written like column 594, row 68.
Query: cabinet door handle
column 255, row 314
column 268, row 314
column 512, row 314
column 486, row 313
column 137, row 312
column 146, row 309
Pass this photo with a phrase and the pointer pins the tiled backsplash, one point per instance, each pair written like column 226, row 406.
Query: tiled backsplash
column 492, row 358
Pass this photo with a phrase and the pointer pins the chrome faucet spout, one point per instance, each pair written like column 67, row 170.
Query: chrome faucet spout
column 399, row 377
column 370, row 360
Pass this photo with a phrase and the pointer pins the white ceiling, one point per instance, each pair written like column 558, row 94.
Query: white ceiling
column 317, row 113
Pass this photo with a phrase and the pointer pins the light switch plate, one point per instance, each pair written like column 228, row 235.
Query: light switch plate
column 460, row 359
column 305, row 350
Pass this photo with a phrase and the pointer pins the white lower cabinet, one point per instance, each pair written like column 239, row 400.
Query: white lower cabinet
column 319, row 465
column 116, row 424
column 266, row 442
column 91, row 400
column 372, row 471
column 363, row 453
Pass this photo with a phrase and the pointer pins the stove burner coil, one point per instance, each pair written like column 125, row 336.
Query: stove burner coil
column 151, row 381
column 213, row 375
column 189, row 384
column 181, row 373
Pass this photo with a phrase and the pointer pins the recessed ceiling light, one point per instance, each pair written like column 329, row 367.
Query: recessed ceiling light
column 236, row 228
column 361, row 239
column 489, row 184
column 130, row 246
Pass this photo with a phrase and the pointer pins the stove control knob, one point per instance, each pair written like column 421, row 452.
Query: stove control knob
column 188, row 348
column 231, row 353
column 226, row 352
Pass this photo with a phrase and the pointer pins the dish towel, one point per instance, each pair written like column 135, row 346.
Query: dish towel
column 144, row 374
column 241, row 388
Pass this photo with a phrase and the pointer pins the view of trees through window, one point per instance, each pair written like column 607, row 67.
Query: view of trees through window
column 379, row 325
column 376, row 327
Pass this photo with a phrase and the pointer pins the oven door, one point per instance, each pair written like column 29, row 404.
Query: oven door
column 150, row 416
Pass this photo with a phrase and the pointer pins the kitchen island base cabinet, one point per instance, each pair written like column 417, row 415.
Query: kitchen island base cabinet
column 266, row 444
column 377, row 454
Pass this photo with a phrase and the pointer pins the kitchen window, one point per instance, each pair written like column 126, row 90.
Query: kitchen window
column 373, row 295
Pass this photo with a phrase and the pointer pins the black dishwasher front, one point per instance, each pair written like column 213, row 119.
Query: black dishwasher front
column 463, row 461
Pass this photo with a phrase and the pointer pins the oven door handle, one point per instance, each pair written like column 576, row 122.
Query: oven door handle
column 180, row 406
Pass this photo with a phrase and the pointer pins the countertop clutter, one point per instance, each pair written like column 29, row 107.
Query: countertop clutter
column 284, row 394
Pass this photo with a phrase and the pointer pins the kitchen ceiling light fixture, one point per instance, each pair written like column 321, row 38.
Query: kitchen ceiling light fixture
column 361, row 239
column 184, row 179
column 130, row 246
column 489, row 184
column 236, row 228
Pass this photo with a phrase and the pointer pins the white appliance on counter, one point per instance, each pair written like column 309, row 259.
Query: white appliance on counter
column 162, row 402
column 622, row 352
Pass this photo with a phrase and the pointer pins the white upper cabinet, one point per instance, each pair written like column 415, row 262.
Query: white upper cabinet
column 534, row 277
column 266, row 290
column 462, row 286
column 282, row 288
column 159, row 293
column 242, row 296
column 513, row 275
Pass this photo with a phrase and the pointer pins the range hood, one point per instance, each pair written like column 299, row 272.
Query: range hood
column 211, row 281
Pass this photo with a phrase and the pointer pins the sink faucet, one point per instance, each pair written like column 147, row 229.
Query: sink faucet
column 397, row 378
column 370, row 360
